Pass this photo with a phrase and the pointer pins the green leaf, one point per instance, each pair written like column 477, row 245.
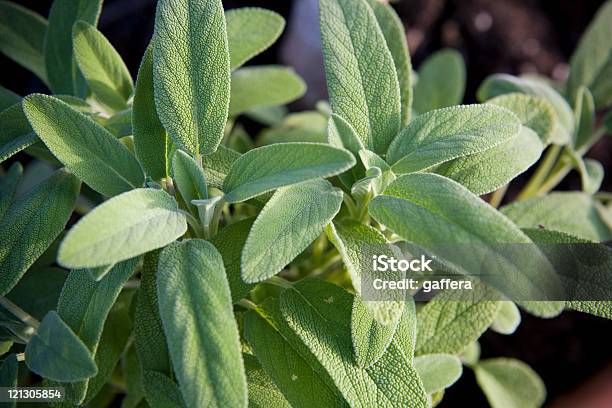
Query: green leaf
column 262, row 391
column 7, row 98
column 149, row 338
column 56, row 353
column 229, row 242
column 150, row 139
column 570, row 212
column 370, row 338
column 357, row 243
column 115, row 336
column 62, row 71
column 191, row 72
column 533, row 111
column 84, row 306
column 510, row 383
column 102, row 67
column 313, row 306
column 290, row 221
column 132, row 373
column 260, row 86
column 591, row 172
column 441, row 81
column 508, row 318
column 306, row 126
column 32, row 223
column 9, row 372
column 501, row 84
column 22, row 35
column 217, row 165
column 15, row 132
column 161, row 391
column 361, row 78
column 86, row 148
column 270, row 167
column 447, row 325
column 203, row 339
column 445, row 134
column 395, row 36
column 124, row 226
column 39, row 290
column 9, row 182
column 584, row 113
column 189, row 178
column 250, row 31
column 430, row 210
column 491, row 169
column 438, row 371
column 276, row 347
column 591, row 63
column 596, row 308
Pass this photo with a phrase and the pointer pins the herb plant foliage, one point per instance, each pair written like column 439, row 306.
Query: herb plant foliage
column 170, row 258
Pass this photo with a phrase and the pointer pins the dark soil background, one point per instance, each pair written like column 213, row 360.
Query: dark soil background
column 572, row 353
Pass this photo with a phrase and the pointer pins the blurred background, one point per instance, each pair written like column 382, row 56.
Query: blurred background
column 572, row 353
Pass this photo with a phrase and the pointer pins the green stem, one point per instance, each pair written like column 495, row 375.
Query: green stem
column 541, row 173
column 603, row 196
column 554, row 179
column 498, row 196
column 278, row 281
column 247, row 304
column 193, row 223
column 350, row 204
column 19, row 313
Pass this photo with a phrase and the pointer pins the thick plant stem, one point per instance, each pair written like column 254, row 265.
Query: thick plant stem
column 498, row 196
column 19, row 313
column 541, row 173
column 555, row 178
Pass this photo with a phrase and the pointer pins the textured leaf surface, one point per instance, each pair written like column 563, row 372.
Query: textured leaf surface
column 102, row 67
column 150, row 139
column 86, row 148
column 441, row 81
column 196, row 310
column 393, row 30
column 448, row 326
column 229, row 242
column 584, row 112
column 510, row 383
column 31, row 224
column 217, row 165
column 438, row 371
column 9, row 371
column 191, row 72
column 15, row 132
column 263, row 393
column 361, row 78
column 9, row 182
column 311, row 308
column 508, row 318
column 370, row 338
column 161, row 391
column 445, row 134
column 7, row 98
column 121, row 228
column 38, row 290
column 270, row 167
column 571, row 212
column 22, row 36
column 255, row 87
column 290, row 221
column 250, row 31
column 56, row 353
column 533, row 111
column 62, row 72
column 189, row 178
column 280, row 353
column 487, row 171
column 591, row 63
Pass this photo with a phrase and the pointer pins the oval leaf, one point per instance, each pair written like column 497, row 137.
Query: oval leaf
column 121, row 228
column 438, row 371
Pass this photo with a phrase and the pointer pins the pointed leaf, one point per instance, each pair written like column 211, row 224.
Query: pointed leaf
column 102, row 67
column 255, row 87
column 361, row 77
column 86, row 148
column 56, row 353
column 150, row 139
column 62, row 71
column 270, row 167
column 32, row 223
column 438, row 371
column 431, row 91
column 584, row 113
column 191, row 72
column 124, row 226
column 445, row 134
column 22, row 35
column 290, row 221
column 250, row 31
column 591, row 63
column 203, row 339
column 189, row 178
column 510, row 383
